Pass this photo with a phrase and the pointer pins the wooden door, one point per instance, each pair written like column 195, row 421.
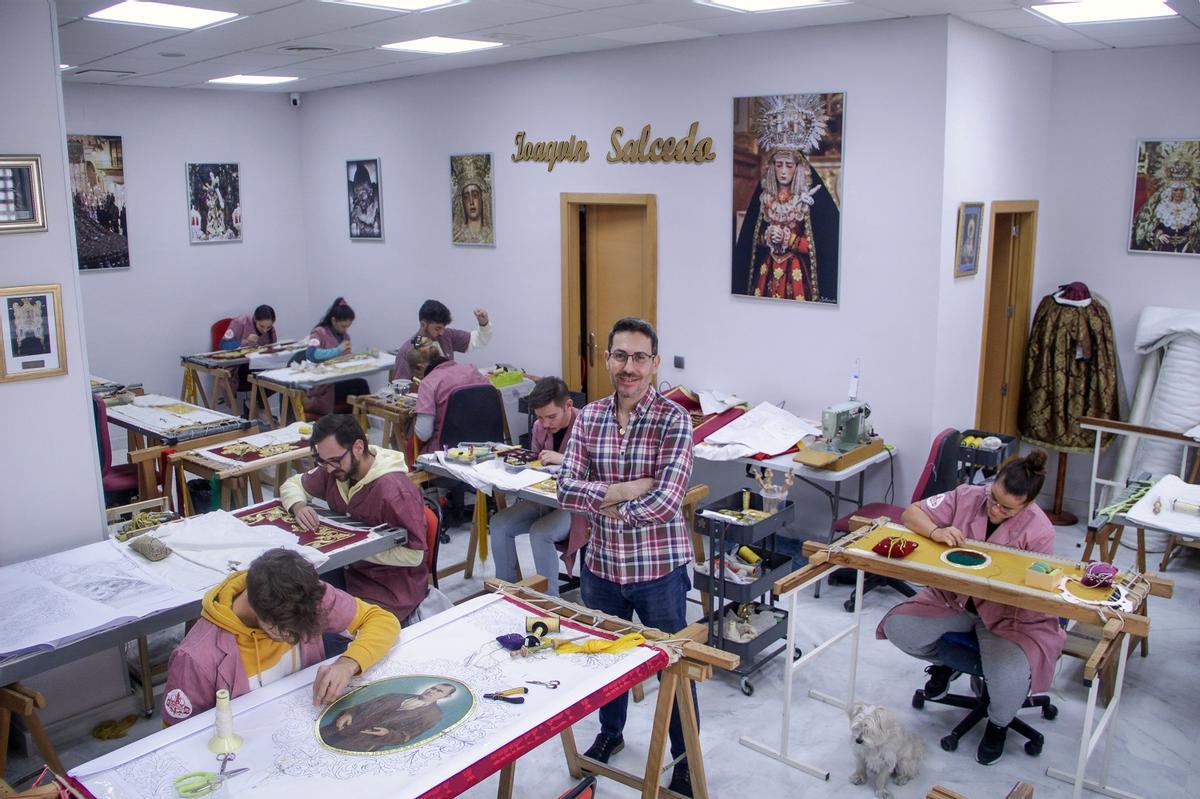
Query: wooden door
column 609, row 271
column 1007, row 309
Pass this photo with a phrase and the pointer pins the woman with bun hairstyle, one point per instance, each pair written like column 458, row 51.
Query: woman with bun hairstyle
column 329, row 339
column 1018, row 647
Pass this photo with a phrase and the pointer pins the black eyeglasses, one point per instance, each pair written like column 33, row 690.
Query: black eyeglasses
column 1004, row 509
column 623, row 357
column 334, row 462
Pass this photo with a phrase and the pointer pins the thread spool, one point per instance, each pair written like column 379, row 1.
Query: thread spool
column 1184, row 506
column 224, row 739
column 749, row 555
column 541, row 625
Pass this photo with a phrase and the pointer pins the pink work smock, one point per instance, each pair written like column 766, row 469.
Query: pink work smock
column 1038, row 634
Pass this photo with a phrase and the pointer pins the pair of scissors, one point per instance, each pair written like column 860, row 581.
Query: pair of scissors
column 202, row 783
column 552, row 684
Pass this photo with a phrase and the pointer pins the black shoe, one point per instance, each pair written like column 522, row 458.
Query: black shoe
column 604, row 747
column 992, row 745
column 681, row 779
column 938, row 684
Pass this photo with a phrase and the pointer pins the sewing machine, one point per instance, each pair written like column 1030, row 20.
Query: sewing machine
column 844, row 426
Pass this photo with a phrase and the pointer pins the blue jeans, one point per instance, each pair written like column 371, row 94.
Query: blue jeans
column 661, row 604
column 546, row 527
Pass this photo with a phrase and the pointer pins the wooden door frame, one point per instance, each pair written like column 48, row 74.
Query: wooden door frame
column 569, row 204
column 1003, row 207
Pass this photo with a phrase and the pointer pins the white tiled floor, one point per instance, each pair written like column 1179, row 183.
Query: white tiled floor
column 1155, row 753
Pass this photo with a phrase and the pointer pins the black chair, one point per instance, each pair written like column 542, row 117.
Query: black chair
column 960, row 651
column 939, row 475
column 473, row 413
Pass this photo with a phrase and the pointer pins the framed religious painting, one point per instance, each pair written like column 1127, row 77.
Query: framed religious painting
column 22, row 208
column 471, row 199
column 787, row 196
column 214, row 203
column 967, row 238
column 97, row 165
column 1166, row 198
column 364, row 196
column 32, row 329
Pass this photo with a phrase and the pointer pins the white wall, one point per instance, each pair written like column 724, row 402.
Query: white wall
column 51, row 487
column 140, row 320
column 997, row 109
column 1103, row 102
column 894, row 78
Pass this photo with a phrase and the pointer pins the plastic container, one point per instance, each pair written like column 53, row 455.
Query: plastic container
column 749, row 650
column 743, row 533
column 775, row 566
column 983, row 458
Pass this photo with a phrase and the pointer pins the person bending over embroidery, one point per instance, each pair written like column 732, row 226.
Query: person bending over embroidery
column 263, row 624
column 1018, row 647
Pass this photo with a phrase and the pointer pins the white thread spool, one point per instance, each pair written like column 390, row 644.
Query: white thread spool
column 1184, row 506
column 224, row 740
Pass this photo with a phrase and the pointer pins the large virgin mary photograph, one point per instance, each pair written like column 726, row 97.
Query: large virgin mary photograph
column 787, row 177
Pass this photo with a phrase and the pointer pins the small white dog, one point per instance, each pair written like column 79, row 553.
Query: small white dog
column 883, row 747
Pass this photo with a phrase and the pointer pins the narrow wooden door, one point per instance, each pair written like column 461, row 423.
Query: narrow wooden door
column 609, row 272
column 1007, row 309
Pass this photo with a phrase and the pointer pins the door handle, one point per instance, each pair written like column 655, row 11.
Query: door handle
column 591, row 349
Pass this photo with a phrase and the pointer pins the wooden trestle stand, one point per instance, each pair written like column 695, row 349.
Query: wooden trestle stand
column 695, row 665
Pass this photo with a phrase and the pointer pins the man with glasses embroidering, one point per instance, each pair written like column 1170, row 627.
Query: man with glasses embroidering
column 627, row 468
column 370, row 485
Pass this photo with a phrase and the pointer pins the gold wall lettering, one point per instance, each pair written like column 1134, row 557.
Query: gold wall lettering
column 550, row 152
column 638, row 151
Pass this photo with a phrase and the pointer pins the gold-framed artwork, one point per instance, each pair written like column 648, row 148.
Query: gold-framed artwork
column 22, row 207
column 966, row 241
column 32, row 329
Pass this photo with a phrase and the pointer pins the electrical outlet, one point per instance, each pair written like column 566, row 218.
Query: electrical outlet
column 678, row 361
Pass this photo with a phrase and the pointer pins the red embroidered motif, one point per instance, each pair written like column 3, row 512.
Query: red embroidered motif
column 177, row 705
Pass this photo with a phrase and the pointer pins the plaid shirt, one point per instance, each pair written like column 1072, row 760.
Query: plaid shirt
column 650, row 539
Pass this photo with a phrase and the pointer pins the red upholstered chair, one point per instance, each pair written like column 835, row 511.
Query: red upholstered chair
column 120, row 482
column 433, row 530
column 218, row 332
column 940, row 474
column 584, row 790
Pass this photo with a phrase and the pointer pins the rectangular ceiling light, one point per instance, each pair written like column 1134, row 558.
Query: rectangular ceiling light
column 760, row 6
column 161, row 15
column 400, row 5
column 1085, row 11
column 253, row 80
column 440, row 45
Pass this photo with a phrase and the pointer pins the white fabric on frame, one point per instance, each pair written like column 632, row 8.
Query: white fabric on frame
column 278, row 721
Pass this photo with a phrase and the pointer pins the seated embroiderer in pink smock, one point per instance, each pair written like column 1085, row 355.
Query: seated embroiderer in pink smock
column 1018, row 647
column 370, row 485
column 261, row 625
column 331, row 339
column 433, row 323
column 439, row 377
column 251, row 330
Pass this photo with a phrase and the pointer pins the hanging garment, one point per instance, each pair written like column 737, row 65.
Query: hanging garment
column 1070, row 372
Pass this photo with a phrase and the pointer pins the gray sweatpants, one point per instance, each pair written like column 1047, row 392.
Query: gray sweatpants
column 1005, row 666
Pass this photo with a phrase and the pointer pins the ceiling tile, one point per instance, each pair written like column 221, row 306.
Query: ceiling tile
column 291, row 22
column 666, row 11
column 1048, row 33
column 86, row 39
column 166, row 81
column 652, row 34
column 1140, row 34
column 781, row 20
column 916, row 8
column 1007, row 18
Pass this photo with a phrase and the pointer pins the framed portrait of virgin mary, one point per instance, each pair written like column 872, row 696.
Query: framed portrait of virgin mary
column 787, row 187
column 1166, row 198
